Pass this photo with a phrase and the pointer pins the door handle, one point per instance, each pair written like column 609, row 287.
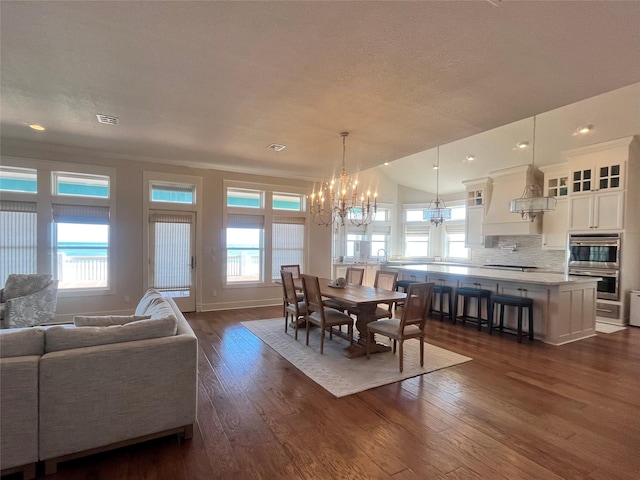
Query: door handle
column 193, row 263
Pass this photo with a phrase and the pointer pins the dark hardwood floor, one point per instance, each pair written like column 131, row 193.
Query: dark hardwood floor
column 528, row 411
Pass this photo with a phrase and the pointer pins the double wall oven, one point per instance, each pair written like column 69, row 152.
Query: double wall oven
column 597, row 255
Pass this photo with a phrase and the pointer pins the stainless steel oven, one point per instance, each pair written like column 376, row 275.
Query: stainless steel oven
column 608, row 286
column 594, row 251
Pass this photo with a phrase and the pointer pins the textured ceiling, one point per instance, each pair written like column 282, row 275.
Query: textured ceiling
column 214, row 83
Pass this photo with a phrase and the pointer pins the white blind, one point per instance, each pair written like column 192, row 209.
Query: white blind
column 453, row 228
column 93, row 214
column 422, row 229
column 236, row 220
column 171, row 269
column 287, row 243
column 18, row 238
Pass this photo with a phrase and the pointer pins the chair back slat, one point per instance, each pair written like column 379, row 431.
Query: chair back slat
column 289, row 287
column 355, row 275
column 312, row 296
column 416, row 305
column 294, row 269
column 386, row 280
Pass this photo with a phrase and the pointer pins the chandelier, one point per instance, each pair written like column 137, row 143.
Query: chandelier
column 338, row 199
column 532, row 202
column 434, row 212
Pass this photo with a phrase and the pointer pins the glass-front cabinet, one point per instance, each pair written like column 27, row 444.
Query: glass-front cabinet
column 595, row 178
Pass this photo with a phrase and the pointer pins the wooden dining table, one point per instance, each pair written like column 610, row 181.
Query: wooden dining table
column 364, row 297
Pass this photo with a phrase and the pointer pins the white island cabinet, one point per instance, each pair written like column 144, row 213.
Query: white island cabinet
column 564, row 307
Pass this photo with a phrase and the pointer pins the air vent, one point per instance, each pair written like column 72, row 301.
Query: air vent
column 276, row 147
column 107, row 119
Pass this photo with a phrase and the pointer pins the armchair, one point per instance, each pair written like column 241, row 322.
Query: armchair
column 28, row 300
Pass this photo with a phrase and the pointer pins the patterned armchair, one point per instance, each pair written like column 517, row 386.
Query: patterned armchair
column 28, row 300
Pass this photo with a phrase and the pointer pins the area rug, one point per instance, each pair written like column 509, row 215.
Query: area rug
column 340, row 375
column 607, row 328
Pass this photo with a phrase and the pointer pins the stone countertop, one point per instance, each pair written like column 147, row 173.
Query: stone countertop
column 538, row 278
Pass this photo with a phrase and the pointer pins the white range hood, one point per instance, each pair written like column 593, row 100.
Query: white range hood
column 509, row 183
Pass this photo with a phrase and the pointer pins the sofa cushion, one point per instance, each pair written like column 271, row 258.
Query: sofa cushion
column 144, row 303
column 19, row 342
column 160, row 308
column 106, row 320
column 68, row 337
column 19, row 285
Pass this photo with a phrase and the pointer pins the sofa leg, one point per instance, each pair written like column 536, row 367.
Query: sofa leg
column 29, row 472
column 50, row 466
column 188, row 432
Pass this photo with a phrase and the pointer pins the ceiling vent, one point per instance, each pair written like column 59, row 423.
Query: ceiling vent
column 107, row 119
column 276, row 147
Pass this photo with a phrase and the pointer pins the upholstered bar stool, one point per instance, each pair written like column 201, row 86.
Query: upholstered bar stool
column 439, row 291
column 478, row 293
column 520, row 303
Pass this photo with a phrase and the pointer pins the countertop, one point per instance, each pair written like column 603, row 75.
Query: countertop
column 539, row 278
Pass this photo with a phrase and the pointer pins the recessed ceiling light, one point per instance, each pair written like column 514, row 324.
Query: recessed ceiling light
column 522, row 145
column 107, row 119
column 276, row 147
column 37, row 127
column 470, row 158
column 435, row 167
column 386, row 163
column 583, row 130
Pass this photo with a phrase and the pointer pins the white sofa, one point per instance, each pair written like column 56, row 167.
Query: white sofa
column 103, row 387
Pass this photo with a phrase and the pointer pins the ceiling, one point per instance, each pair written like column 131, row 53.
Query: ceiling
column 212, row 84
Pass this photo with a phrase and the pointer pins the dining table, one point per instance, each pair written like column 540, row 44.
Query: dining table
column 366, row 299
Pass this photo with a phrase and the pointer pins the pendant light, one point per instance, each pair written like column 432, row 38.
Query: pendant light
column 532, row 203
column 434, row 212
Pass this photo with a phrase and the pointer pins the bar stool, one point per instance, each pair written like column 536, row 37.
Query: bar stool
column 440, row 291
column 520, row 303
column 478, row 293
column 404, row 285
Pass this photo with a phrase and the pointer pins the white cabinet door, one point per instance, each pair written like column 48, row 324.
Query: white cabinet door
column 608, row 210
column 473, row 227
column 554, row 227
column 580, row 212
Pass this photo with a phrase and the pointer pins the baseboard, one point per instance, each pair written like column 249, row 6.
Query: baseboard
column 212, row 307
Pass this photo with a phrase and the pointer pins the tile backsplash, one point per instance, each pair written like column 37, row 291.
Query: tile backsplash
column 528, row 252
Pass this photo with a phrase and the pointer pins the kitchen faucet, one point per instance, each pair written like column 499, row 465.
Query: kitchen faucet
column 383, row 256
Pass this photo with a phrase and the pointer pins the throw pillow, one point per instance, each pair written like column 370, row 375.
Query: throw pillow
column 19, row 285
column 18, row 342
column 65, row 338
column 106, row 320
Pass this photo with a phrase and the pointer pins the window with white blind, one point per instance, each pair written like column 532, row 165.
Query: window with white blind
column 172, row 252
column 81, row 245
column 265, row 228
column 287, row 243
column 455, row 241
column 245, row 248
column 18, row 238
column 416, row 240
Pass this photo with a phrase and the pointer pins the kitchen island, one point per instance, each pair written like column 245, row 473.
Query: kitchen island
column 564, row 306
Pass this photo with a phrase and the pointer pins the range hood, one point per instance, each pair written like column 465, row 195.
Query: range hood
column 509, row 183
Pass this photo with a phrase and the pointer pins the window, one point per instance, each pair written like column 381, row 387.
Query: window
column 287, row 243
column 80, row 185
column 173, row 193
column 264, row 229
column 416, row 233
column 18, row 239
column 81, row 246
column 23, row 180
column 455, row 234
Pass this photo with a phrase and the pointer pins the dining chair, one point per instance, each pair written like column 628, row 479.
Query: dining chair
column 386, row 281
column 318, row 314
column 410, row 325
column 353, row 276
column 295, row 271
column 295, row 308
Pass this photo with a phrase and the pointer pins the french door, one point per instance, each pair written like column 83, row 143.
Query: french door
column 172, row 256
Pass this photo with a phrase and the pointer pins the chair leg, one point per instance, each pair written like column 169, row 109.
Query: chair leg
column 400, row 356
column 297, row 320
column 421, row 351
column 308, row 322
column 531, row 324
column 322, row 339
column 394, row 346
column 519, row 324
column 286, row 321
column 501, row 307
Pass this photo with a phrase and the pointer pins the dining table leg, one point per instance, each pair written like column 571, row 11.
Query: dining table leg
column 366, row 314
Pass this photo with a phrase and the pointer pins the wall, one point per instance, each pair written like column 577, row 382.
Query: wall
column 128, row 240
column 528, row 253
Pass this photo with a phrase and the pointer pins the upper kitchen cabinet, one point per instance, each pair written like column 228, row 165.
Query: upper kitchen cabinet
column 599, row 177
column 478, row 191
column 554, row 223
